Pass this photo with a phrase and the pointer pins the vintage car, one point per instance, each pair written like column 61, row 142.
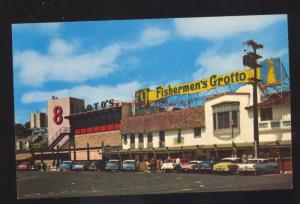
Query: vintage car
column 258, row 166
column 65, row 166
column 169, row 165
column 23, row 166
column 228, row 165
column 129, row 165
column 205, row 166
column 80, row 166
column 38, row 167
column 96, row 165
column 189, row 166
column 113, row 165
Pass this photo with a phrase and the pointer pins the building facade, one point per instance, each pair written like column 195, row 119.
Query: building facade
column 38, row 120
column 222, row 127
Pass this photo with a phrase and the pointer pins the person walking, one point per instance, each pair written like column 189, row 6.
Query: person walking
column 153, row 166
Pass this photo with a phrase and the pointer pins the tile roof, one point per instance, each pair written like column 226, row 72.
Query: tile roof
column 275, row 99
column 227, row 93
column 185, row 118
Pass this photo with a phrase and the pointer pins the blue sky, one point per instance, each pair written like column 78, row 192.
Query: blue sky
column 100, row 60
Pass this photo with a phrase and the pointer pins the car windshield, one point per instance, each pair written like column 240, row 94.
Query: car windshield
column 113, row 162
column 255, row 161
column 129, row 162
column 66, row 162
column 193, row 162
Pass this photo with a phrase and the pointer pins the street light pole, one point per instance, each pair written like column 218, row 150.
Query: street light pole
column 251, row 60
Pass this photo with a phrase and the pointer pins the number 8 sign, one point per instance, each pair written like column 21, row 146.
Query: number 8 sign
column 58, row 118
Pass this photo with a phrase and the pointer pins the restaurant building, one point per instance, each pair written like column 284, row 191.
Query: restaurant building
column 84, row 132
column 222, row 127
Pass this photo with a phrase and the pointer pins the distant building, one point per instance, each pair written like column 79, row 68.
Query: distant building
column 38, row 120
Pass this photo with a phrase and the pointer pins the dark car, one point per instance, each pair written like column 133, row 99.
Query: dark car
column 113, row 165
column 129, row 165
column 205, row 166
column 96, row 165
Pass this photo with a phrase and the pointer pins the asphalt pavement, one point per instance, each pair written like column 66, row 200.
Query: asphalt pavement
column 74, row 184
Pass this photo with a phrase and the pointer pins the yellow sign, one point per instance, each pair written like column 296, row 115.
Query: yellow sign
column 146, row 96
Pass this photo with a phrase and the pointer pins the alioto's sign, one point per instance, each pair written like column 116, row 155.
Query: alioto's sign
column 146, row 96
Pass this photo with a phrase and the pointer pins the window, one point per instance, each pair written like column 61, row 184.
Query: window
column 223, row 120
column 286, row 123
column 125, row 139
column 225, row 116
column 117, row 117
column 197, row 132
column 266, row 114
column 132, row 138
column 275, row 124
column 149, row 136
column 162, row 136
column 263, row 125
column 141, row 138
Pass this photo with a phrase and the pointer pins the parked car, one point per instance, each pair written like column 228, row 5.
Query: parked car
column 80, row 166
column 113, row 165
column 169, row 165
column 65, row 166
column 205, row 166
column 258, row 166
column 228, row 165
column 96, row 165
column 23, row 166
column 38, row 167
column 189, row 166
column 129, row 165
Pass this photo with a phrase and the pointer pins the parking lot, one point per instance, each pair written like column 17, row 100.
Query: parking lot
column 38, row 184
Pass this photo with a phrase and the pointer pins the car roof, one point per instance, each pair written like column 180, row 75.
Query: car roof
column 262, row 159
column 113, row 160
column 231, row 158
column 129, row 160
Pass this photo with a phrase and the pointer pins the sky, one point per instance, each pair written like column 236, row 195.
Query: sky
column 100, row 60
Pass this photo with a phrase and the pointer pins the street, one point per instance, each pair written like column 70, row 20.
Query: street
column 74, row 184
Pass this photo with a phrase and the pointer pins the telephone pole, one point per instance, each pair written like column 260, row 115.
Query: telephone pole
column 250, row 60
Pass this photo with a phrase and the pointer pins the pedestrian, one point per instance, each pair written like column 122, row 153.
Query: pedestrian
column 177, row 161
column 153, row 166
column 147, row 166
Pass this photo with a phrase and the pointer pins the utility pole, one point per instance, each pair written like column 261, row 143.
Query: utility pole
column 250, row 60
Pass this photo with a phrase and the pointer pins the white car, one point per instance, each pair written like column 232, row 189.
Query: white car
column 258, row 166
column 169, row 165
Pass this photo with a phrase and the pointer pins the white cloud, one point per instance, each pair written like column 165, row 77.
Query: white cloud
column 90, row 94
column 49, row 29
column 216, row 28
column 154, row 36
column 149, row 37
column 63, row 63
column 211, row 62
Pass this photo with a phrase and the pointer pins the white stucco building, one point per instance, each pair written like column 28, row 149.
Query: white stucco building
column 225, row 121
